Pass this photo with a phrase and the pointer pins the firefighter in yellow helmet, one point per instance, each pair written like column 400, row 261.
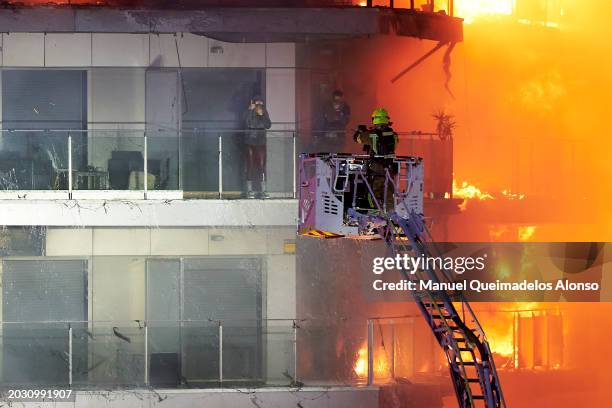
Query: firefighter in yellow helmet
column 379, row 142
column 380, row 139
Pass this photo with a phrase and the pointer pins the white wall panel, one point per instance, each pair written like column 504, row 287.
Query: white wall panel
column 237, row 242
column 179, row 241
column 23, row 50
column 280, row 291
column 193, row 50
column 277, row 237
column 159, row 213
column 236, row 55
column 121, row 241
column 68, row 50
column 69, row 242
column 280, row 55
column 310, row 397
column 280, row 94
column 120, row 50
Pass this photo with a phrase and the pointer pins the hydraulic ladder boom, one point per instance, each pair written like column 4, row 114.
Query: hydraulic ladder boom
column 459, row 333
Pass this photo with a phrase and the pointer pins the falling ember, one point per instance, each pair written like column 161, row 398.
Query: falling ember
column 525, row 233
column 497, row 231
column 361, row 365
column 512, row 196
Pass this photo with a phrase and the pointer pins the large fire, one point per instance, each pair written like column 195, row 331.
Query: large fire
column 381, row 367
column 470, row 10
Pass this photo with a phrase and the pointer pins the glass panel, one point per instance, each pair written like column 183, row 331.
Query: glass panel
column 109, row 160
column 163, row 310
column 35, row 354
column 115, row 357
column 33, row 160
column 164, row 354
column 242, row 347
column 163, row 160
column 280, row 359
column 383, row 349
column 200, row 164
column 332, row 352
column 236, row 162
column 200, row 353
column 404, row 361
column 280, row 164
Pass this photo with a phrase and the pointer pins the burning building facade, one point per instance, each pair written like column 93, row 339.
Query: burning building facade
column 130, row 259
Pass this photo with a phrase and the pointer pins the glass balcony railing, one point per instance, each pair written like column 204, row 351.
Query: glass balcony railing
column 185, row 354
column 213, row 353
column 200, row 163
column 193, row 163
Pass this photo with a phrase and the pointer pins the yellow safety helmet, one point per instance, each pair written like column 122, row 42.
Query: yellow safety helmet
column 380, row 116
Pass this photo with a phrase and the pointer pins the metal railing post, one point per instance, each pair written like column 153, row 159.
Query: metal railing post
column 146, row 166
column 370, row 352
column 70, row 355
column 146, row 354
column 69, row 167
column 393, row 350
column 295, row 359
column 220, row 166
column 294, row 167
column 179, row 153
column 220, row 354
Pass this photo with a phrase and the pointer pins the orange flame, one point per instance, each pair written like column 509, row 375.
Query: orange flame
column 469, row 191
column 471, row 10
column 525, row 233
column 361, row 365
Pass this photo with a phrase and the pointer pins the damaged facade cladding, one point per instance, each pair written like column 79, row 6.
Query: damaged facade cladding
column 239, row 24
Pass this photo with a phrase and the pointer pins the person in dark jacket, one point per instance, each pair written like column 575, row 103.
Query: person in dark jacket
column 257, row 121
column 336, row 116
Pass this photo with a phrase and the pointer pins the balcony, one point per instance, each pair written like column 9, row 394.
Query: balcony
column 124, row 164
column 256, row 353
column 215, row 353
column 194, row 164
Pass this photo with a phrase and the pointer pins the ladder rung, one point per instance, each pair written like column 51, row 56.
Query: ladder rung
column 464, row 349
column 472, row 380
column 459, row 328
column 467, row 363
column 433, row 304
column 478, row 397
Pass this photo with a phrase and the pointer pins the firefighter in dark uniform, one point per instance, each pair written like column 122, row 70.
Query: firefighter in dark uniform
column 379, row 142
